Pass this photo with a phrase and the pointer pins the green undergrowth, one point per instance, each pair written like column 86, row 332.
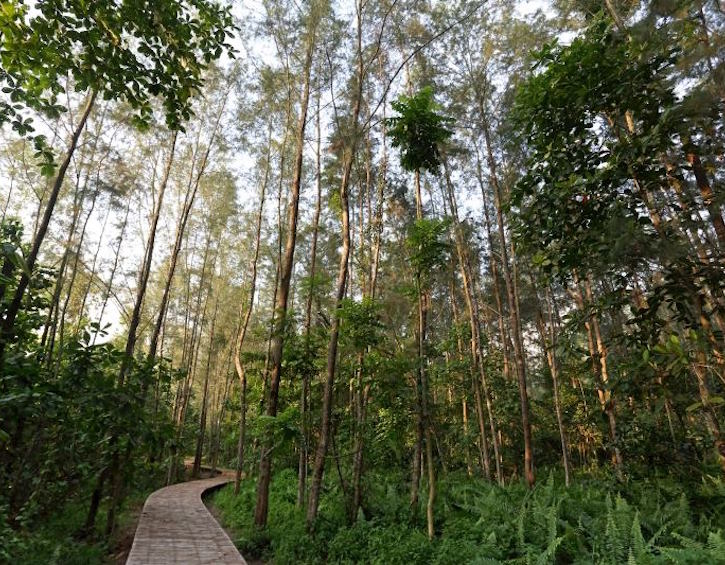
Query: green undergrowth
column 54, row 540
column 593, row 521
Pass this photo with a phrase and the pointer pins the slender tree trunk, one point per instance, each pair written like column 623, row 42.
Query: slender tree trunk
column 191, row 192
column 265, row 464
column 700, row 370
column 196, row 470
column 421, row 325
column 600, row 372
column 475, row 325
column 302, row 467
column 240, row 369
column 548, row 340
column 192, row 357
column 361, row 395
column 52, row 320
column 114, row 268
column 322, row 445
column 221, row 405
column 61, row 314
column 278, row 264
column 708, row 195
column 126, row 363
column 515, row 322
column 6, row 206
column 72, row 279
column 93, row 275
column 348, row 159
column 424, row 430
column 7, row 327
column 95, row 503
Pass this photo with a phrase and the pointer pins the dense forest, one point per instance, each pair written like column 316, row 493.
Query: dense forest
column 443, row 281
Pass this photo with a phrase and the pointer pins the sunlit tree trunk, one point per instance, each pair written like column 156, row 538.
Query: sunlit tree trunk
column 132, row 335
column 548, row 340
column 601, row 374
column 474, row 323
column 191, row 192
column 108, row 290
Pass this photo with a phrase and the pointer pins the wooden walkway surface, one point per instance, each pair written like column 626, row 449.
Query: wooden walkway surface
column 176, row 527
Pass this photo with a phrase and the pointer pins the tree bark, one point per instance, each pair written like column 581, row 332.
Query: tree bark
column 126, row 362
column 265, row 464
column 548, row 340
column 601, row 374
column 302, row 466
column 238, row 366
column 474, row 323
column 205, row 395
column 515, row 322
column 707, row 194
column 191, row 191
column 348, row 159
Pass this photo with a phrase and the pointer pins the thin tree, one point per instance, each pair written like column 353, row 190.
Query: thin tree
column 265, row 463
column 348, row 157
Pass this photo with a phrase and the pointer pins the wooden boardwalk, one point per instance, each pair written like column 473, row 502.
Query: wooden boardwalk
column 176, row 527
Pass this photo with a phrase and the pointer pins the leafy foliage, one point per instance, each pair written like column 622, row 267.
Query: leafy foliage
column 419, row 130
column 428, row 246
column 482, row 523
column 126, row 50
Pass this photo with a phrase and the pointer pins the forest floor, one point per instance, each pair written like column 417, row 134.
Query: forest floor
column 232, row 531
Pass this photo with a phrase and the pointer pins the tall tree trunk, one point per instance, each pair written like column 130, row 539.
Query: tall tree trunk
column 278, row 263
column 240, row 369
column 190, row 197
column 61, row 314
column 265, row 464
column 425, row 425
column 600, row 369
column 302, row 466
column 73, row 276
column 515, row 322
column 375, row 223
column 7, row 327
column 493, row 266
column 348, row 159
column 707, row 194
column 126, row 362
column 191, row 356
column 114, row 268
column 93, row 274
column 548, row 340
column 52, row 320
column 475, row 325
column 196, row 470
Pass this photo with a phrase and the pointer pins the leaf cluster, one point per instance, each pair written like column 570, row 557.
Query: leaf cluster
column 419, row 130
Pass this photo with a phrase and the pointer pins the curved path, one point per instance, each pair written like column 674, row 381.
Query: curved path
column 176, row 527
